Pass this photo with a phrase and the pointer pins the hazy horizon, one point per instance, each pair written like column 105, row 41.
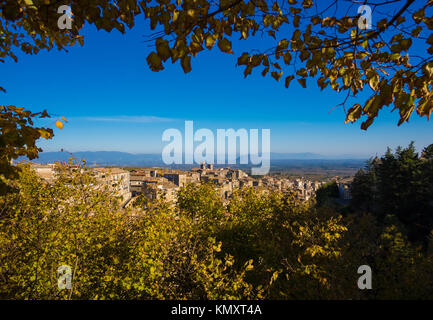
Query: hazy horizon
column 112, row 101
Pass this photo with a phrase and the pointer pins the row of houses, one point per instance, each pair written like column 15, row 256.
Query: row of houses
column 115, row 180
column 155, row 183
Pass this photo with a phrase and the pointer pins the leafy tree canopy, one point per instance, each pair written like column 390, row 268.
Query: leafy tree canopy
column 17, row 138
column 400, row 184
column 300, row 39
column 266, row 245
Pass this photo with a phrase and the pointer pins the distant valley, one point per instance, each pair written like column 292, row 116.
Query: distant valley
column 294, row 164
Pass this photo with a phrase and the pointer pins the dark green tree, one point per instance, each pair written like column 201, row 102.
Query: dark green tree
column 363, row 187
column 327, row 192
column 398, row 184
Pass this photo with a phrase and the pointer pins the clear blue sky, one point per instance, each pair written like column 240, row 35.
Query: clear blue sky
column 114, row 102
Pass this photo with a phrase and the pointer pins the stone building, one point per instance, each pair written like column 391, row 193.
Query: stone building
column 161, row 189
column 117, row 181
column 45, row 171
column 136, row 180
column 178, row 178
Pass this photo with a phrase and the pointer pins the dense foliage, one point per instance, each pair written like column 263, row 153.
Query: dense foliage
column 334, row 43
column 327, row 191
column 399, row 184
column 18, row 137
column 114, row 254
column 260, row 245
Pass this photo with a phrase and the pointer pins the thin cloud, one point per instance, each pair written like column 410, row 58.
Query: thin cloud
column 130, row 119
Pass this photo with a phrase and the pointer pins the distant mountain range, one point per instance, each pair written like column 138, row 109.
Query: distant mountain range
column 116, row 158
column 102, row 158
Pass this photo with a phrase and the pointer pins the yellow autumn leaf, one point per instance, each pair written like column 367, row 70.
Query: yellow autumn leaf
column 225, row 46
column 59, row 124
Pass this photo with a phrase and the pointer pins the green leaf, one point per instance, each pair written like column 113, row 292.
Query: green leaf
column 163, row 49
column 243, row 59
column 354, row 113
column 210, row 40
column 425, row 107
column 367, row 123
column 373, row 82
column 154, row 62
column 186, row 64
column 225, row 45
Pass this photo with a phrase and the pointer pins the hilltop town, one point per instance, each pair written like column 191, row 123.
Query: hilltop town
column 157, row 183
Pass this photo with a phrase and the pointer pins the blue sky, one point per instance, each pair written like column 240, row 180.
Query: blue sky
column 114, row 102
